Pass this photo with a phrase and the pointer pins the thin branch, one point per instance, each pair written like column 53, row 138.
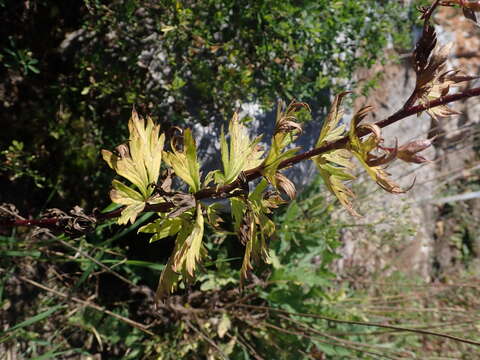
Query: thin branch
column 100, row 264
column 301, row 334
column 400, row 328
column 249, row 347
column 206, row 338
column 252, row 174
column 89, row 304
column 307, row 329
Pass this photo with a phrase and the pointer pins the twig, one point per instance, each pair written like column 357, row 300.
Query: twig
column 206, row 338
column 249, row 347
column 400, row 328
column 304, row 327
column 103, row 266
column 89, row 304
column 297, row 333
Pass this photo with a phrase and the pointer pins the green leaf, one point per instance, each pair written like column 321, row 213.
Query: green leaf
column 335, row 166
column 139, row 162
column 186, row 255
column 286, row 131
column 162, row 228
column 241, row 155
column 238, row 209
column 185, row 163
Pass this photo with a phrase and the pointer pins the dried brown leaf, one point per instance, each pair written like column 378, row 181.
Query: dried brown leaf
column 285, row 185
column 182, row 202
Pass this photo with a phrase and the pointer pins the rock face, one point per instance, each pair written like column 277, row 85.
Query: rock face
column 415, row 236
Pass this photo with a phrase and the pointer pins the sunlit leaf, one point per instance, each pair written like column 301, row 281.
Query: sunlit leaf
column 139, row 162
column 330, row 129
column 361, row 149
column 191, row 250
column 133, row 200
column 162, row 228
column 430, row 61
column 185, row 163
column 187, row 253
column 224, row 325
column 168, row 281
column 286, row 131
column 255, row 227
column 335, row 166
column 240, row 154
column 409, row 152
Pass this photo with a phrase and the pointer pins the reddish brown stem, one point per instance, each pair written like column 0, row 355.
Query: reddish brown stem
column 340, row 143
column 252, row 174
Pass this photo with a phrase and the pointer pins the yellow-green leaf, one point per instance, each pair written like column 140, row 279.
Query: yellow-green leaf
column 224, row 325
column 185, row 163
column 330, row 129
column 124, row 195
column 130, row 213
column 286, row 131
column 139, row 161
column 186, row 255
column 335, row 166
column 242, row 154
column 162, row 228
column 168, row 281
column 193, row 244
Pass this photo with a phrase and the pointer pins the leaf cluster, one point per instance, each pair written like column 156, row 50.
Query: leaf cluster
column 182, row 214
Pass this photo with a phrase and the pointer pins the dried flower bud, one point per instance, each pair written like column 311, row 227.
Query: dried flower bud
column 123, row 151
column 408, row 152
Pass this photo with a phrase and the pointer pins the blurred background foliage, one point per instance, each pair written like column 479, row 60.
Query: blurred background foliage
column 70, row 73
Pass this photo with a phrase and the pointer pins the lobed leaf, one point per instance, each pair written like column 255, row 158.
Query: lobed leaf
column 184, row 163
column 254, row 226
column 335, row 166
column 162, row 228
column 124, row 195
column 239, row 155
column 286, row 131
column 188, row 249
column 433, row 81
column 330, row 129
column 139, row 162
column 361, row 149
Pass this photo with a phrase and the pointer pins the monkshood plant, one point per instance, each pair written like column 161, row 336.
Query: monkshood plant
column 151, row 159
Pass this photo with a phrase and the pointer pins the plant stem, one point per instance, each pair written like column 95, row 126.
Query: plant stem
column 252, row 174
